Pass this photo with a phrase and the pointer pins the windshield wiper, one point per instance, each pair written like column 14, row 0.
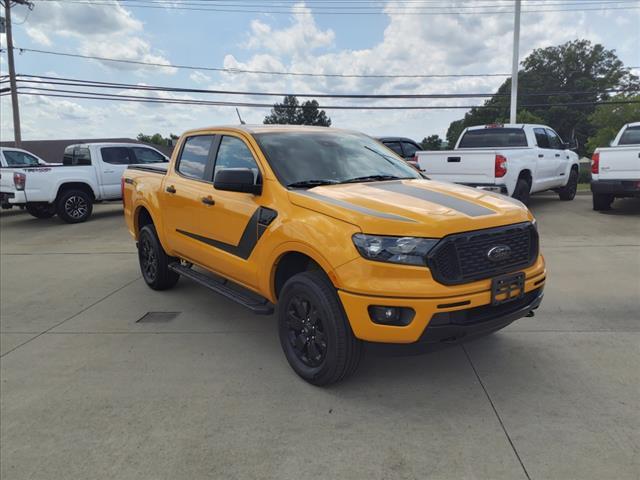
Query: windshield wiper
column 311, row 183
column 375, row 178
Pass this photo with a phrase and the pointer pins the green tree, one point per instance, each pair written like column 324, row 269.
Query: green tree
column 575, row 72
column 290, row 112
column 157, row 139
column 432, row 142
column 609, row 119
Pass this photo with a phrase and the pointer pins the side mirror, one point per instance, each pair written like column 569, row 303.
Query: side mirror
column 237, row 180
column 571, row 145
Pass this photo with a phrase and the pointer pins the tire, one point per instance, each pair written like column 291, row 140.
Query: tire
column 154, row 261
column 74, row 206
column 602, row 201
column 41, row 210
column 314, row 330
column 522, row 191
column 568, row 192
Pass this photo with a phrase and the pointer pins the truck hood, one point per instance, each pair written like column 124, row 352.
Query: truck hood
column 412, row 207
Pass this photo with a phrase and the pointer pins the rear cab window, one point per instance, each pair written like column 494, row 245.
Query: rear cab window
column 494, row 138
column 631, row 136
column 194, row 158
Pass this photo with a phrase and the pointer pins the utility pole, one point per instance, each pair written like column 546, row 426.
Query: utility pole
column 514, row 67
column 12, row 68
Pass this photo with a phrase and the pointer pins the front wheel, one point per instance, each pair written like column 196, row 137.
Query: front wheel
column 41, row 210
column 74, row 206
column 314, row 331
column 568, row 192
column 154, row 261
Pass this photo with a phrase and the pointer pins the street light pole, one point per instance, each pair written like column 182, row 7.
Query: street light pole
column 514, row 66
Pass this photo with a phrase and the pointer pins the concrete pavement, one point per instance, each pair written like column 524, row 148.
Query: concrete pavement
column 89, row 392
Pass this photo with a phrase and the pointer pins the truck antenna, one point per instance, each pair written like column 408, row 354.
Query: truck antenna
column 242, row 122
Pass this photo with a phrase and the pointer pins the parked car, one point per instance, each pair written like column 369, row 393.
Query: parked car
column 615, row 171
column 513, row 159
column 405, row 147
column 352, row 244
column 13, row 157
column 89, row 173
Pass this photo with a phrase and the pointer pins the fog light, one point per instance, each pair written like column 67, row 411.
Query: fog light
column 391, row 315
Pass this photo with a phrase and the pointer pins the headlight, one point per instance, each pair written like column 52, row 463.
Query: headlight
column 406, row 250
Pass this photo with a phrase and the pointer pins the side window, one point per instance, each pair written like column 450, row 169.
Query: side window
column 554, row 140
column 195, row 156
column 15, row 158
column 541, row 138
column 395, row 146
column 409, row 149
column 117, row 155
column 82, row 156
column 234, row 153
column 146, row 155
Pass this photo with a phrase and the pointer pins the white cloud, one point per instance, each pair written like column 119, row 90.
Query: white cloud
column 99, row 30
column 199, row 77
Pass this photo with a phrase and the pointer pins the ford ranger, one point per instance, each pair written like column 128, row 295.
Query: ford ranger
column 89, row 172
column 346, row 240
column 513, row 159
column 615, row 171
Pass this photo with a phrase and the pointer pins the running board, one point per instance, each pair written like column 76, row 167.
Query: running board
column 228, row 289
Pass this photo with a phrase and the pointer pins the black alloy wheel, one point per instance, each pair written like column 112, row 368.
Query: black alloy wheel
column 306, row 331
column 154, row 261
column 314, row 331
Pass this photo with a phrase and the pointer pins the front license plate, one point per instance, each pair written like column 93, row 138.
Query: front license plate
column 507, row 288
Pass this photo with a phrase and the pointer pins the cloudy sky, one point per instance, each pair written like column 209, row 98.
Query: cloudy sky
column 293, row 37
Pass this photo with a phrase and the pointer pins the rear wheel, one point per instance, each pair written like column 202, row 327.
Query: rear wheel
column 154, row 261
column 522, row 191
column 314, row 331
column 602, row 201
column 74, row 206
column 568, row 192
column 41, row 210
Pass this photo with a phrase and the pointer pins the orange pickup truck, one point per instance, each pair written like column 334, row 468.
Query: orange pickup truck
column 347, row 241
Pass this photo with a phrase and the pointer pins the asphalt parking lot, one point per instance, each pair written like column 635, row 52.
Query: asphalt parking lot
column 89, row 392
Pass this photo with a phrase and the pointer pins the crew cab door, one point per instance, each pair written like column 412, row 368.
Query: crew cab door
column 206, row 224
column 559, row 159
column 546, row 161
column 111, row 165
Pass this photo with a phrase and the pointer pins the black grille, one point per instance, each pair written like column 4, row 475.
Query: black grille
column 462, row 257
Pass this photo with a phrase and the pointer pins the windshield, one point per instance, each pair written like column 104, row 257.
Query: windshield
column 494, row 138
column 299, row 158
column 16, row 158
column 631, row 136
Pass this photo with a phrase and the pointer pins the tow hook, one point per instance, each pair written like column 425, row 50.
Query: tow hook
column 531, row 314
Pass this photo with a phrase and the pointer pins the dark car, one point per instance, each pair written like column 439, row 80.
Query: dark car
column 405, row 147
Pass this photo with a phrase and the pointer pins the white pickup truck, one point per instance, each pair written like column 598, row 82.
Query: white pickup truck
column 89, row 173
column 615, row 171
column 513, row 159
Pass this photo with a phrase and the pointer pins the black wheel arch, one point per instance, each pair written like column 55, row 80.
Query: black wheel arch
column 85, row 187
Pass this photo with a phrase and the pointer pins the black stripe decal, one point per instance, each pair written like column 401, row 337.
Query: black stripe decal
column 256, row 226
column 357, row 208
column 463, row 206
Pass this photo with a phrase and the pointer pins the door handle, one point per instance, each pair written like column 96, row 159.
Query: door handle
column 171, row 189
column 208, row 201
column 541, row 155
column 108, row 171
column 557, row 154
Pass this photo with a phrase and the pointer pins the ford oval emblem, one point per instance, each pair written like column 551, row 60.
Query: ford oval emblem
column 499, row 253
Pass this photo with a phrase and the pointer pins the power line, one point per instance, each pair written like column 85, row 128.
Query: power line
column 290, row 10
column 140, row 99
column 261, row 72
column 47, row 80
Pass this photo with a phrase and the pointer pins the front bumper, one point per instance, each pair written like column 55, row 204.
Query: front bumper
column 622, row 188
column 439, row 319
